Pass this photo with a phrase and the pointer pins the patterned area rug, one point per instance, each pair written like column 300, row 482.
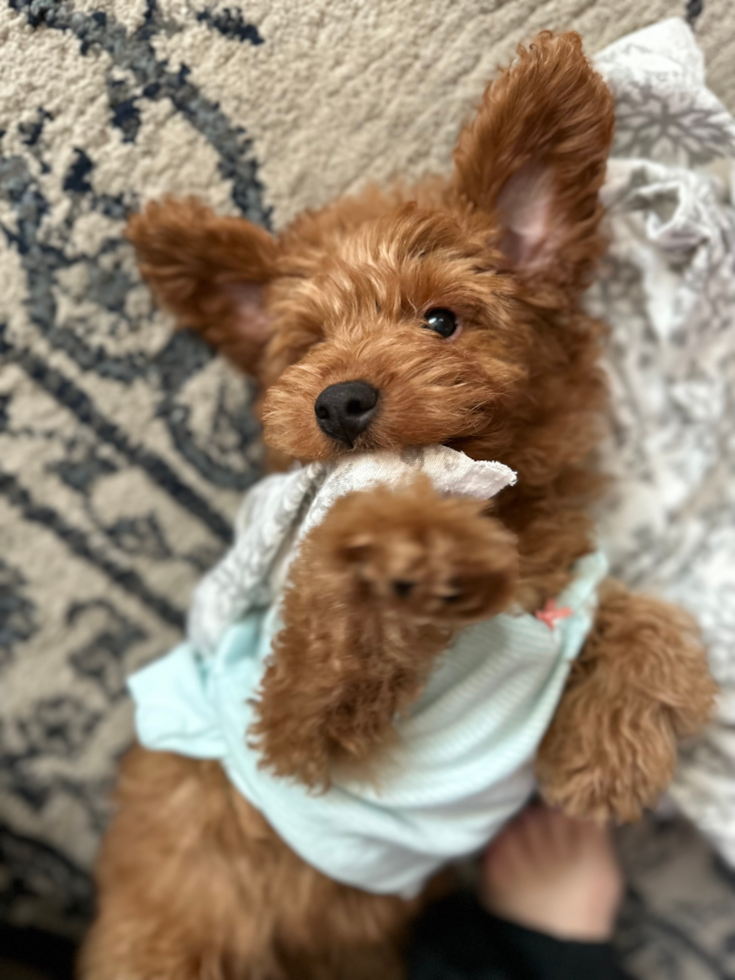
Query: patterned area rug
column 124, row 451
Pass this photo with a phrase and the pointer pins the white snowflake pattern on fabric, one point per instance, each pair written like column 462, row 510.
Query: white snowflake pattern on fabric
column 667, row 289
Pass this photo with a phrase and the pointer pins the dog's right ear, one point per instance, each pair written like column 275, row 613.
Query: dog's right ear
column 533, row 160
column 209, row 271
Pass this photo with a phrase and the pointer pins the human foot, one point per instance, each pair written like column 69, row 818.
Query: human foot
column 555, row 875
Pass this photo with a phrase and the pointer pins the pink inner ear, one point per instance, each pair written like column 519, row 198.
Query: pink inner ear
column 524, row 208
column 251, row 319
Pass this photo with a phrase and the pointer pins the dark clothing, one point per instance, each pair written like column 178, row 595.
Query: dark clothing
column 456, row 939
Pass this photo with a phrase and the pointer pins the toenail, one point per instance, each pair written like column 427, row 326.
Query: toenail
column 453, row 596
column 403, row 589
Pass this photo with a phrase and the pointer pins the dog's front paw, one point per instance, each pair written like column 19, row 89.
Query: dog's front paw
column 425, row 557
column 640, row 683
column 613, row 769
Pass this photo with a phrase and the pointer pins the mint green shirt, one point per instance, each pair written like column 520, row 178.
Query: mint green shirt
column 464, row 760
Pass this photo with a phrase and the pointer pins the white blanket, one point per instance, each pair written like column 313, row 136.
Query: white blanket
column 667, row 288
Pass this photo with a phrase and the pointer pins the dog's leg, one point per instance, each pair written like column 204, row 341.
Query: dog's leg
column 181, row 891
column 194, row 885
column 376, row 592
column 639, row 684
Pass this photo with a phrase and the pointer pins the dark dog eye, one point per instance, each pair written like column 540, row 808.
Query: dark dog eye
column 443, row 322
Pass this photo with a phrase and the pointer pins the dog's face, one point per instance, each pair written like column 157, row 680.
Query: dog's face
column 405, row 334
column 446, row 318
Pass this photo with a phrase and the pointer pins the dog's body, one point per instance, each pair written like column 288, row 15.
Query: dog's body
column 448, row 313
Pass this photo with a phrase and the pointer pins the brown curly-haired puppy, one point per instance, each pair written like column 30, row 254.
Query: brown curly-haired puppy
column 193, row 884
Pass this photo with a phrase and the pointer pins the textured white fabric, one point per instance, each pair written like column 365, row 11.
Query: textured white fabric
column 280, row 509
column 667, row 289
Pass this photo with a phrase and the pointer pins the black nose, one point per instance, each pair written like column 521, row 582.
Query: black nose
column 345, row 410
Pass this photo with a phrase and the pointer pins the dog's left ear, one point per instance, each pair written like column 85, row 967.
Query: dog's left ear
column 210, row 271
column 534, row 159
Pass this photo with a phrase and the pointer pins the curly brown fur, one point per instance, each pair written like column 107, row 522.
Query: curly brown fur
column 195, row 885
column 192, row 882
column 640, row 684
column 375, row 595
column 203, row 269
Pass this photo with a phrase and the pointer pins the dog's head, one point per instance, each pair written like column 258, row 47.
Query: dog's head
column 447, row 314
